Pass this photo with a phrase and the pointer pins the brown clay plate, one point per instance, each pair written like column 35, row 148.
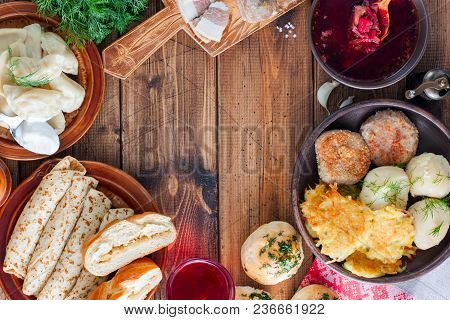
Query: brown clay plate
column 5, row 182
column 90, row 76
column 434, row 137
column 123, row 190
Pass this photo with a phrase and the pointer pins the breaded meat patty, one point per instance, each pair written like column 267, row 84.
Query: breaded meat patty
column 342, row 157
column 391, row 137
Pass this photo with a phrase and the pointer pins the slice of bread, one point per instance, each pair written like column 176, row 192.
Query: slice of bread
column 122, row 242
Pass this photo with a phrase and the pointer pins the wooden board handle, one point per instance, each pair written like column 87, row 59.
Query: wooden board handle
column 126, row 54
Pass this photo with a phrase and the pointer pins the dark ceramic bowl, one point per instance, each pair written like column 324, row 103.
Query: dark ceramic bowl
column 434, row 137
column 417, row 55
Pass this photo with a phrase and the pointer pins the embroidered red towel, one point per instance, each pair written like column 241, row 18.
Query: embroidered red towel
column 348, row 289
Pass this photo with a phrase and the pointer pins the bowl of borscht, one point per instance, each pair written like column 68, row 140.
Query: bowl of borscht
column 358, row 46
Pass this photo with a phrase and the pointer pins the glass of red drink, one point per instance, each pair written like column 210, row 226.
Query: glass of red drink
column 200, row 279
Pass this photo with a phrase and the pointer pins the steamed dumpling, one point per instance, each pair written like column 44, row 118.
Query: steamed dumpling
column 54, row 44
column 249, row 293
column 73, row 93
column 3, row 70
column 429, row 175
column 315, row 292
column 385, row 186
column 272, row 253
column 18, row 49
column 47, row 68
column 6, row 110
column 33, row 105
column 431, row 221
column 58, row 123
column 9, row 36
column 33, row 41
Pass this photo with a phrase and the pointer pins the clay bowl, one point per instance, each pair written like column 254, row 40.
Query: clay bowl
column 91, row 77
column 434, row 137
column 5, row 182
column 122, row 189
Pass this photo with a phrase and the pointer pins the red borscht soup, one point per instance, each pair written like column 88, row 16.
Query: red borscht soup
column 346, row 34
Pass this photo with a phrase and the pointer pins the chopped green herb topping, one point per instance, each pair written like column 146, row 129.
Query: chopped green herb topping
column 261, row 296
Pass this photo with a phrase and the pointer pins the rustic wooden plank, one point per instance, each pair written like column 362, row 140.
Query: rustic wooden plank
column 265, row 113
column 125, row 55
column 169, row 142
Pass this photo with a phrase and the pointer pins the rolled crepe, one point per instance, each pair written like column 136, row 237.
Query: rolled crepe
column 36, row 213
column 115, row 214
column 70, row 264
column 55, row 235
column 87, row 282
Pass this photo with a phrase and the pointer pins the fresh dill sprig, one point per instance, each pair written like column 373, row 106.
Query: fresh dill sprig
column 91, row 20
column 431, row 204
column 350, row 190
column 400, row 165
column 435, row 232
column 26, row 81
column 440, row 178
column 388, row 190
column 415, row 180
column 394, row 189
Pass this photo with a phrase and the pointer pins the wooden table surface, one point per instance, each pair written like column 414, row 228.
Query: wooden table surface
column 215, row 139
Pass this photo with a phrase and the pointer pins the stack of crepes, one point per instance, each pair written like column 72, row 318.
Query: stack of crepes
column 45, row 247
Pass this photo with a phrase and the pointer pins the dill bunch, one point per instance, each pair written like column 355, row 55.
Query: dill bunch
column 91, row 20
column 26, row 81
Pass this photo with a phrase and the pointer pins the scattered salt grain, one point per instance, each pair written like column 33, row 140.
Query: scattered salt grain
column 285, row 30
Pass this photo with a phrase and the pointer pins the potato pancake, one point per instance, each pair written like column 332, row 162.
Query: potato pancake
column 391, row 232
column 373, row 242
column 359, row 264
column 338, row 222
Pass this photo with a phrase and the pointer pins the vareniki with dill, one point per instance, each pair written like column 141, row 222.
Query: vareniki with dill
column 373, row 210
column 34, row 81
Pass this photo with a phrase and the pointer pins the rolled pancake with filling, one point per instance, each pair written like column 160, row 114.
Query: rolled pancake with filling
column 87, row 282
column 37, row 212
column 55, row 235
column 70, row 264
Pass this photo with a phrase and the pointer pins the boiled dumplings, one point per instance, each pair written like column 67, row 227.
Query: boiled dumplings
column 429, row 175
column 385, row 186
column 33, row 105
column 54, row 44
column 33, row 83
column 431, row 221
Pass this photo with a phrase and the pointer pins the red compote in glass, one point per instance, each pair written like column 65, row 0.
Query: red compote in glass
column 200, row 279
column 347, row 35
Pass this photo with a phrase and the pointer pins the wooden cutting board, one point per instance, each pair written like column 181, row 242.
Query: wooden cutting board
column 126, row 54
